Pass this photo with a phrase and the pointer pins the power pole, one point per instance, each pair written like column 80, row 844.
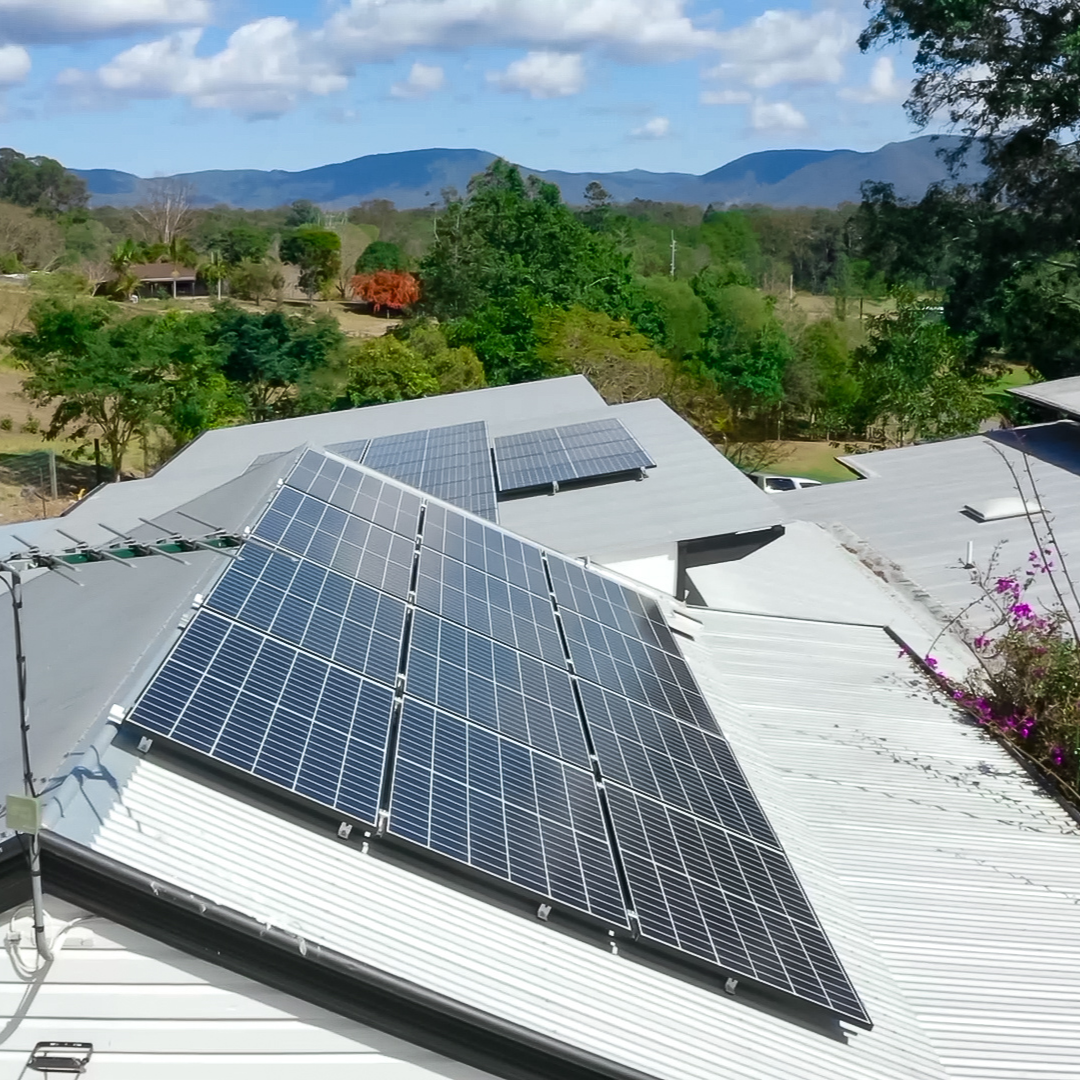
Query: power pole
column 673, row 246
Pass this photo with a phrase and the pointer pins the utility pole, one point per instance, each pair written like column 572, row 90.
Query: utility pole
column 673, row 246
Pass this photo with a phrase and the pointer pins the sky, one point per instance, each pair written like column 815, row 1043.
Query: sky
column 156, row 87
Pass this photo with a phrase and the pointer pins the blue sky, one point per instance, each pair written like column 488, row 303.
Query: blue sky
column 162, row 86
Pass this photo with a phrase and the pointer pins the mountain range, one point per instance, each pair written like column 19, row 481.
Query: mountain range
column 414, row 178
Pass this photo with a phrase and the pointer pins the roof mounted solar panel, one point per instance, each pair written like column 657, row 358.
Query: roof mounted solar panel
column 496, row 707
column 505, row 809
column 452, row 463
column 354, row 450
column 561, row 455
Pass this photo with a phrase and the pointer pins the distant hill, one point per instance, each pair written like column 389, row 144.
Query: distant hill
column 415, row 178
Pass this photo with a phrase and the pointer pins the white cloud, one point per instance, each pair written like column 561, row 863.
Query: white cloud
column 14, row 65
column 264, row 69
column 424, row 79
column 659, row 127
column 883, row 85
column 726, row 97
column 786, row 47
column 543, row 75
column 653, row 30
column 43, row 22
column 776, row 116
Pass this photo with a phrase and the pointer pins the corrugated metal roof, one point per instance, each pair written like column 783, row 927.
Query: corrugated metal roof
column 946, row 879
column 692, row 492
column 910, row 508
column 153, row 1012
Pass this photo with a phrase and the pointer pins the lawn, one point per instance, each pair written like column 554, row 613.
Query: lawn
column 814, row 460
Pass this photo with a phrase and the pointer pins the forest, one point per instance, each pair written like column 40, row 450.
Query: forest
column 873, row 324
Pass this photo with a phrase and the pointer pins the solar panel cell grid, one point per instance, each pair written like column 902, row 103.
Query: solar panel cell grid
column 488, row 605
column 342, row 541
column 726, row 900
column 353, row 450
column 320, row 610
column 677, row 763
column 500, row 807
column 495, row 686
column 265, row 707
column 563, row 454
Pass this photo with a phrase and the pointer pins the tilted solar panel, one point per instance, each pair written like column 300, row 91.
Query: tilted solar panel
column 414, row 667
column 452, row 463
column 354, row 450
column 504, row 808
column 269, row 709
column 726, row 900
column 561, row 455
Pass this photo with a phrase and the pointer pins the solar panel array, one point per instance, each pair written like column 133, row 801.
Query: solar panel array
column 563, row 454
column 404, row 663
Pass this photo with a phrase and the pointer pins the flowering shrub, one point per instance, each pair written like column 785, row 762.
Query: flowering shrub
column 1026, row 686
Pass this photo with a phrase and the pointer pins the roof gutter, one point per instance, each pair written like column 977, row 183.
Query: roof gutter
column 306, row 969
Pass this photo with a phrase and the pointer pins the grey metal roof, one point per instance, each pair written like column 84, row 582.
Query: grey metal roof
column 910, row 509
column 946, row 879
column 1060, row 394
column 692, row 492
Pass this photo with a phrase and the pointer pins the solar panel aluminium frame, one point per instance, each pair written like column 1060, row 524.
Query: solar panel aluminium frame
column 594, row 597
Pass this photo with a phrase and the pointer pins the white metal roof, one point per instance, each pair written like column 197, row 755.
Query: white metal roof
column 1060, row 394
column 153, row 1013
column 948, row 882
column 910, row 508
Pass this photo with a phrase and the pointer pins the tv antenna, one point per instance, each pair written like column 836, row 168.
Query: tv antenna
column 24, row 811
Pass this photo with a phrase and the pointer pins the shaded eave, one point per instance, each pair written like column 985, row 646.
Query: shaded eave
column 324, row 977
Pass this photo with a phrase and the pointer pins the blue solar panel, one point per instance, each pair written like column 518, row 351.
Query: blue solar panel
column 351, row 660
column 322, row 611
column 565, row 454
column 498, row 687
column 353, row 450
column 452, row 463
column 504, row 809
column 722, row 898
column 274, row 711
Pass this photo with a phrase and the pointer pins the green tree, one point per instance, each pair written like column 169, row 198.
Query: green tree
column 255, row 280
column 915, row 377
column 744, row 346
column 303, row 212
column 682, row 313
column 1004, row 74
column 97, row 373
column 820, row 381
column 268, row 355
column 508, row 250
column 380, row 255
column 316, row 253
column 39, row 183
column 391, row 369
column 240, row 242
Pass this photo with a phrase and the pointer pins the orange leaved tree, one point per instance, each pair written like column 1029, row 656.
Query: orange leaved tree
column 391, row 289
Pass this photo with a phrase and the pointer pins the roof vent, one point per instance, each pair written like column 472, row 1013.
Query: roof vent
column 997, row 509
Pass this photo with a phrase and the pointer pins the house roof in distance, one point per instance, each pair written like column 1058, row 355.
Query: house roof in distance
column 155, row 273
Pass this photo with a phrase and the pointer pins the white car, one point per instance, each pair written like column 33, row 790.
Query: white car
column 770, row 482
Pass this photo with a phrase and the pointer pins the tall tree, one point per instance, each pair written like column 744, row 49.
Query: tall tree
column 316, row 253
column 97, row 373
column 267, row 355
column 380, row 255
column 39, row 183
column 166, row 214
column 1007, row 74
